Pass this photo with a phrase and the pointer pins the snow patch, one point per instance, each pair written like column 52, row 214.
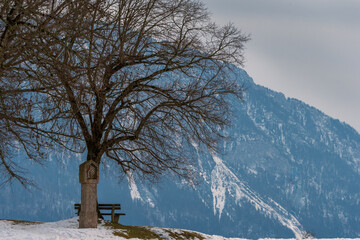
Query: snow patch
column 62, row 230
column 134, row 192
column 224, row 181
column 69, row 230
column 218, row 191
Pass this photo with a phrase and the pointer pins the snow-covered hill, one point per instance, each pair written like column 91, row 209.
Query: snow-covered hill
column 68, row 230
column 287, row 169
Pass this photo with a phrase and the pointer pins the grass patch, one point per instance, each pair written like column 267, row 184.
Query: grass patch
column 21, row 222
column 132, row 231
column 181, row 235
column 146, row 232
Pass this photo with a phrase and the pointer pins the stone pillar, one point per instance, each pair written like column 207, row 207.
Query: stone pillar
column 89, row 178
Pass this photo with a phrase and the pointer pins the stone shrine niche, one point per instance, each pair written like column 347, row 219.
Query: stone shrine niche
column 89, row 172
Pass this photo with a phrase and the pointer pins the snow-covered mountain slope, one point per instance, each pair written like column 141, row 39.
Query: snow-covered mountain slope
column 286, row 169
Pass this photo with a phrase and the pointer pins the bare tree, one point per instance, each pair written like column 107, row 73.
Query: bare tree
column 17, row 28
column 132, row 81
column 22, row 22
column 136, row 78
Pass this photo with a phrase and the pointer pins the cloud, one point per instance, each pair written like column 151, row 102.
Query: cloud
column 304, row 48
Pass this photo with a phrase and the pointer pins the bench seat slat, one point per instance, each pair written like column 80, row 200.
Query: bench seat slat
column 109, row 214
column 109, row 208
column 104, row 205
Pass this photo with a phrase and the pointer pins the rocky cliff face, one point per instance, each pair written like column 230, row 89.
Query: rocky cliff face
column 286, row 169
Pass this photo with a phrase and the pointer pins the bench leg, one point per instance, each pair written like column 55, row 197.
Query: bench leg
column 116, row 218
column 113, row 214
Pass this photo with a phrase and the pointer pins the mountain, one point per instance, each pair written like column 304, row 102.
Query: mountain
column 285, row 170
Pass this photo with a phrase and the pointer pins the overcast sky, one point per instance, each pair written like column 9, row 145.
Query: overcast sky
column 306, row 49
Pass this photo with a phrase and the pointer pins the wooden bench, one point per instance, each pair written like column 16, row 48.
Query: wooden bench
column 105, row 210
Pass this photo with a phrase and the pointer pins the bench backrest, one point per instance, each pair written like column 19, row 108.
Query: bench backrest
column 102, row 206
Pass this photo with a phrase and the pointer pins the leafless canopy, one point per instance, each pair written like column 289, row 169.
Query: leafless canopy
column 133, row 81
column 17, row 29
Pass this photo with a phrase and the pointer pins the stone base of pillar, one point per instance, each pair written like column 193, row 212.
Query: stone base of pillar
column 88, row 217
